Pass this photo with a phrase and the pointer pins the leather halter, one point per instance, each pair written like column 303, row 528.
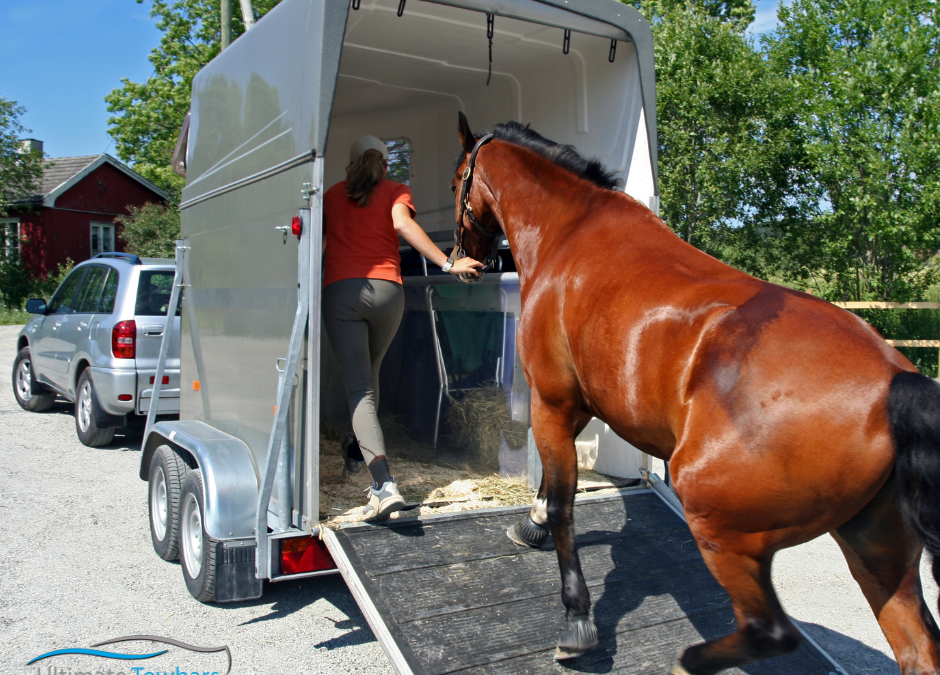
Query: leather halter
column 466, row 209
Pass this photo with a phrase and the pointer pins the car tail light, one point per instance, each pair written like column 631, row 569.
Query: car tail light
column 125, row 397
column 165, row 380
column 296, row 226
column 123, row 337
column 304, row 554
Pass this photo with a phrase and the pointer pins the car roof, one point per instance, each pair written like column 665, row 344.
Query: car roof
column 129, row 259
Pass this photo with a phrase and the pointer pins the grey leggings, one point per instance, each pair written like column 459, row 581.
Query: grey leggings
column 361, row 318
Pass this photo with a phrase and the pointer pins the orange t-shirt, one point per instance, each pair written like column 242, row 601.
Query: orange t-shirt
column 361, row 242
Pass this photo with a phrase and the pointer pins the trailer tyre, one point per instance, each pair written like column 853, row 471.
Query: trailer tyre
column 167, row 471
column 86, row 412
column 22, row 385
column 197, row 548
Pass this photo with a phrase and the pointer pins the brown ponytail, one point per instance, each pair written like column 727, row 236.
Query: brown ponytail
column 363, row 175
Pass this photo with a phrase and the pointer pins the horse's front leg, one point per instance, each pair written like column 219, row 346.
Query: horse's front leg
column 554, row 429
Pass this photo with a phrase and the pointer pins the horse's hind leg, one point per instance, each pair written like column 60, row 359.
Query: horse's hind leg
column 554, row 430
column 884, row 556
column 764, row 630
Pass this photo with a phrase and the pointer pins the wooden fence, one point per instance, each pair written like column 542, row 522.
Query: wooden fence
column 899, row 305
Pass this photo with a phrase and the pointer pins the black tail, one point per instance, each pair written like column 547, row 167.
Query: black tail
column 914, row 413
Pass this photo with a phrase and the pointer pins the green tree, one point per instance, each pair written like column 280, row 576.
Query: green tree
column 20, row 172
column 151, row 230
column 868, row 113
column 719, row 142
column 147, row 116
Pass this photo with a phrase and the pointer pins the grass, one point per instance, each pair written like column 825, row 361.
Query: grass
column 13, row 317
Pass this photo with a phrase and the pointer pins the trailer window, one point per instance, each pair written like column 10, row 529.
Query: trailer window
column 399, row 160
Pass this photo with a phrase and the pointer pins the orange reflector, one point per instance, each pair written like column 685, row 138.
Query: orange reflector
column 195, row 385
column 304, row 554
column 165, row 380
column 125, row 397
column 275, row 411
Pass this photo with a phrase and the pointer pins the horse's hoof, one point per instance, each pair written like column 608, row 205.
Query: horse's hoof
column 565, row 654
column 576, row 637
column 679, row 670
column 527, row 533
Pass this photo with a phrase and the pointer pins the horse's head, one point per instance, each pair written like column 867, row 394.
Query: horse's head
column 478, row 232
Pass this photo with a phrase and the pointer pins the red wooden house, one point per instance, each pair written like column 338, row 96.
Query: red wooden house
column 73, row 215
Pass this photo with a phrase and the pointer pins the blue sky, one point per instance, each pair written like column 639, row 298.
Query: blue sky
column 59, row 58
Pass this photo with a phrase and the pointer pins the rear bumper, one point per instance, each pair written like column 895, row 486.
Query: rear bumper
column 110, row 383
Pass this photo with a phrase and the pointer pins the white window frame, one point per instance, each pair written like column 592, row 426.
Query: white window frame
column 6, row 249
column 101, row 228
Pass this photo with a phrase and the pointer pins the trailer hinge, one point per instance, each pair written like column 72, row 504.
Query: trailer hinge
column 308, row 190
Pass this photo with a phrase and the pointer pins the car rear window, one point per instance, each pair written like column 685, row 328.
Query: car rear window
column 153, row 293
column 90, row 292
column 106, row 304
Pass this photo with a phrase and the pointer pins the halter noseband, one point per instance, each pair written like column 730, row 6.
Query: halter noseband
column 466, row 209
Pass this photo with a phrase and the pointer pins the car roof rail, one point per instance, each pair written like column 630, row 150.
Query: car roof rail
column 129, row 257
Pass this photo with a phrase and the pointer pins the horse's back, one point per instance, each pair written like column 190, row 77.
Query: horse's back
column 787, row 402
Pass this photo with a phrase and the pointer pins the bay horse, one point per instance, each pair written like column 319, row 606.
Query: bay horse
column 782, row 416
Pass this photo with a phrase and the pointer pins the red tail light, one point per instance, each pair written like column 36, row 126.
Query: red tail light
column 305, row 554
column 123, row 337
column 165, row 380
column 296, row 226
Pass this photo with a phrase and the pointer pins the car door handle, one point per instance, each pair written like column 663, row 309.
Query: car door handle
column 152, row 330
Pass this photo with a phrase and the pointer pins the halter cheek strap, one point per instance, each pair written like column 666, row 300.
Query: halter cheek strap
column 466, row 209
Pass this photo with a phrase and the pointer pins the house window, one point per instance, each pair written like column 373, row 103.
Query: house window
column 9, row 239
column 399, row 160
column 102, row 238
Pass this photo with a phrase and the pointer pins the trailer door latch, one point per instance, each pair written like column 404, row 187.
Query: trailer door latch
column 308, row 190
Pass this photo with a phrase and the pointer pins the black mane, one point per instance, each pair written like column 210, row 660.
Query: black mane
column 564, row 156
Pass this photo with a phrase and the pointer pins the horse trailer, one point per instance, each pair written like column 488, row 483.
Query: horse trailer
column 235, row 485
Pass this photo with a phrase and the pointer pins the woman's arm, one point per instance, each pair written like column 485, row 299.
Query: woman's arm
column 415, row 235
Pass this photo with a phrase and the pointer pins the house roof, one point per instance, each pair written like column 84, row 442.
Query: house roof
column 61, row 173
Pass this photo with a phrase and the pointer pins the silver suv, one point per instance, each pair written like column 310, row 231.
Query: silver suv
column 97, row 343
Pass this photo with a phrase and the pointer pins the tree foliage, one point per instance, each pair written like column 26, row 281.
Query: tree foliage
column 20, row 172
column 147, row 116
column 151, row 230
column 868, row 111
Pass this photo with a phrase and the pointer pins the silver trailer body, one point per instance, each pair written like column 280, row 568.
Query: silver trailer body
column 271, row 121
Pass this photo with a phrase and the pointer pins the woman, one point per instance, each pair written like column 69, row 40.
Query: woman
column 363, row 300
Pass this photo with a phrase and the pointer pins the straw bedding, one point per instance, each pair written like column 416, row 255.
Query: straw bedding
column 438, row 486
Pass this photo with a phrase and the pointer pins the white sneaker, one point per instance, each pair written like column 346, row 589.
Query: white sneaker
column 384, row 502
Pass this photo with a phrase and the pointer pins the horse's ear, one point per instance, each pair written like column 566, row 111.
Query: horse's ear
column 466, row 136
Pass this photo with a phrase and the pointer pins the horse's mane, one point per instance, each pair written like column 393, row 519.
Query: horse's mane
column 564, row 156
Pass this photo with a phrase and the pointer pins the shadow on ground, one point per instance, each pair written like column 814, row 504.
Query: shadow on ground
column 854, row 656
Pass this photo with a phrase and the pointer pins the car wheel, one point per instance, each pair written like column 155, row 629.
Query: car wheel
column 197, row 548
column 86, row 409
column 22, row 385
column 167, row 471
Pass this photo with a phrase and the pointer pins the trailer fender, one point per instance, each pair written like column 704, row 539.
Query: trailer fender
column 229, row 476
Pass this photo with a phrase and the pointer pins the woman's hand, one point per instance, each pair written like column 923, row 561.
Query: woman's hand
column 466, row 266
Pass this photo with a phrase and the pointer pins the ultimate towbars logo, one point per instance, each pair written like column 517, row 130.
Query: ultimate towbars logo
column 123, row 656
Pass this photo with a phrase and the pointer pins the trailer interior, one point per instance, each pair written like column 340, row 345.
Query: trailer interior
column 453, row 399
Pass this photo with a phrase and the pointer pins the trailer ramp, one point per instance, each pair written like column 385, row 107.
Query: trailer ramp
column 452, row 594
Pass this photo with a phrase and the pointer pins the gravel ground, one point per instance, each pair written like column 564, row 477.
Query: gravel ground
column 77, row 568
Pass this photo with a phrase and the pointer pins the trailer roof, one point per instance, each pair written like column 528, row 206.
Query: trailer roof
column 263, row 106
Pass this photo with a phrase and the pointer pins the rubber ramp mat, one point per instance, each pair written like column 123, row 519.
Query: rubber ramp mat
column 452, row 594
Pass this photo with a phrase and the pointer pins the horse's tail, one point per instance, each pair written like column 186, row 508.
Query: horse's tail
column 914, row 413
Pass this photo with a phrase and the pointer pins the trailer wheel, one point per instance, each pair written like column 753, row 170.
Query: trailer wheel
column 197, row 548
column 22, row 385
column 86, row 409
column 167, row 470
